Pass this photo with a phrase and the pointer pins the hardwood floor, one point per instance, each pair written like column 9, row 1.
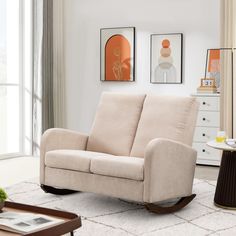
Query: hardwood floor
column 18, row 169
column 206, row 172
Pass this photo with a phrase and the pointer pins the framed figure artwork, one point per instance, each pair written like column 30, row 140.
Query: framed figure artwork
column 117, row 51
column 166, row 58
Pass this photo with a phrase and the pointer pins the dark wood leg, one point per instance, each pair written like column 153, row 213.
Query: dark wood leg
column 225, row 194
column 72, row 233
column 57, row 191
column 165, row 210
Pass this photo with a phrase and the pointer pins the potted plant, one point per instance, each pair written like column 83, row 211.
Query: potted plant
column 3, row 197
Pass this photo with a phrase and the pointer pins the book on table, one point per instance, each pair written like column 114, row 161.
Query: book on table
column 231, row 142
column 26, row 222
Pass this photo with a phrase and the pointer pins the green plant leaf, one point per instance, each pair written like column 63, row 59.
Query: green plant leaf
column 3, row 195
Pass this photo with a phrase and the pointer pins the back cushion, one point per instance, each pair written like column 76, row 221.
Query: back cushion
column 115, row 123
column 163, row 117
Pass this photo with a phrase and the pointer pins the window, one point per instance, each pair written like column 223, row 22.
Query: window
column 15, row 74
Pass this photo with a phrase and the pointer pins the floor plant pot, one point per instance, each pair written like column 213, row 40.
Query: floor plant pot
column 2, row 204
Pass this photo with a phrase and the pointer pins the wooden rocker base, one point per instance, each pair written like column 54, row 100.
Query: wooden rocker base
column 169, row 209
column 56, row 191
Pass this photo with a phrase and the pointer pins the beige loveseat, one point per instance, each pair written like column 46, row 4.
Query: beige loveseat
column 139, row 149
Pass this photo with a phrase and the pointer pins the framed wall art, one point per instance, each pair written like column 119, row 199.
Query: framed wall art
column 212, row 68
column 117, row 50
column 166, row 58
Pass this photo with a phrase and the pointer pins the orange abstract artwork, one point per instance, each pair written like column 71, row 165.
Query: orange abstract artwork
column 117, row 58
column 214, row 60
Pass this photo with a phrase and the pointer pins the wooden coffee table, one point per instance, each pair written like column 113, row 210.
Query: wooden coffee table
column 70, row 223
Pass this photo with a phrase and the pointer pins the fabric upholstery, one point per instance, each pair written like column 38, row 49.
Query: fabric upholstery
column 71, row 159
column 125, row 129
column 191, row 123
column 115, row 123
column 118, row 166
column 54, row 139
column 163, row 117
column 82, row 181
column 168, row 170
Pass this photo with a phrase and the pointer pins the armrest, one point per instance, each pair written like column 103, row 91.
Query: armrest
column 169, row 168
column 56, row 138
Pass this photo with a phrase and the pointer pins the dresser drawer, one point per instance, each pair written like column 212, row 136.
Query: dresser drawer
column 209, row 103
column 208, row 118
column 206, row 152
column 204, row 134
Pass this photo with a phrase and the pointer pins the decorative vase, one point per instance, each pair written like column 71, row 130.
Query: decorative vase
column 1, row 205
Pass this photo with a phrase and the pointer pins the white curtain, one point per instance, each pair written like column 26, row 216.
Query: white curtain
column 48, row 79
column 228, row 79
column 37, row 74
column 58, row 64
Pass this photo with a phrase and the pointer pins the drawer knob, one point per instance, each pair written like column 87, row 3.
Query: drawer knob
column 203, row 150
column 203, row 118
column 204, row 103
column 203, row 135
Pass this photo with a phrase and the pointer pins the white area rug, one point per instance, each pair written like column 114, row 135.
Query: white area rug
column 103, row 216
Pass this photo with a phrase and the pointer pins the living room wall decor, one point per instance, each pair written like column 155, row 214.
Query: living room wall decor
column 212, row 68
column 117, row 50
column 166, row 58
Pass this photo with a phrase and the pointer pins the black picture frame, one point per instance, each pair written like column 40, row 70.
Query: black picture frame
column 116, row 31
column 180, row 80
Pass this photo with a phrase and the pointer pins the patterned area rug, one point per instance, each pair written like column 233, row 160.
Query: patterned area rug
column 103, row 216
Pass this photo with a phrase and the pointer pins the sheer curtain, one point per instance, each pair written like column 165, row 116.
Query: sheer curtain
column 48, row 74
column 228, row 79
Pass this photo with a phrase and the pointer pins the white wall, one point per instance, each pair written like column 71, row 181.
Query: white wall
column 198, row 20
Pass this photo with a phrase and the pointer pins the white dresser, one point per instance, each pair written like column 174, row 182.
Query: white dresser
column 208, row 123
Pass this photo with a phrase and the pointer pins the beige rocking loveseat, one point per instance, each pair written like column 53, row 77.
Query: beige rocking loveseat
column 139, row 149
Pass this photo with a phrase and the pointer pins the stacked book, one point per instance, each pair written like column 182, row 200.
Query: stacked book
column 231, row 142
column 204, row 89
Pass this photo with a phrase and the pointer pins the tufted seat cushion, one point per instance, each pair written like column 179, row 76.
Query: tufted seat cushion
column 97, row 163
column 78, row 160
column 118, row 166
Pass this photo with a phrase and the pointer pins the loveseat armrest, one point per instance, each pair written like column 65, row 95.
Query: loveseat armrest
column 56, row 138
column 169, row 168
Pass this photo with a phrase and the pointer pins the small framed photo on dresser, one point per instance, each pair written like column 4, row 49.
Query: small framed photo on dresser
column 208, row 82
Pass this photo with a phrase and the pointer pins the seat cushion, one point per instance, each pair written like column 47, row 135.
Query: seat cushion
column 115, row 123
column 118, row 166
column 71, row 159
column 164, row 117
